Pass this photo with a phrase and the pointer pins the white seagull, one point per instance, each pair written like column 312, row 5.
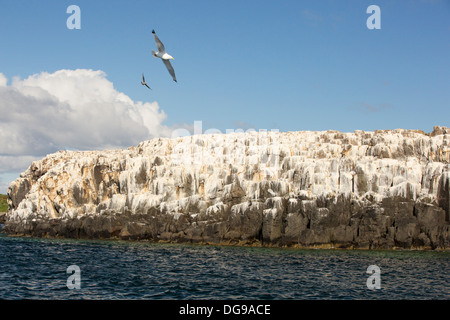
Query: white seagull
column 165, row 57
column 144, row 83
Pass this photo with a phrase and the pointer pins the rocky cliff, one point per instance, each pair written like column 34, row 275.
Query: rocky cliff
column 381, row 189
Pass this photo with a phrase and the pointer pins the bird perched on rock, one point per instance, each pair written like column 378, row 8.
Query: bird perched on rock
column 165, row 57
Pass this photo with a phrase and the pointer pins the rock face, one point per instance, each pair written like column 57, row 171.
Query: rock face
column 379, row 189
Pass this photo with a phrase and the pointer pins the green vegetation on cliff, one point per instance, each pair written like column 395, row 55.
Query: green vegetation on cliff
column 3, row 203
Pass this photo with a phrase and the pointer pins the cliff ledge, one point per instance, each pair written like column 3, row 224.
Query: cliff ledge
column 382, row 189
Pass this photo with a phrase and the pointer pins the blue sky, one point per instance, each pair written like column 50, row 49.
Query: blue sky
column 286, row 65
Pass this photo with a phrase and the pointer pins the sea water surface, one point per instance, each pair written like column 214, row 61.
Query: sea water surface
column 37, row 269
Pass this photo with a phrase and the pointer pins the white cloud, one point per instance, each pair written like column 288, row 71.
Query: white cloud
column 3, row 80
column 70, row 109
column 10, row 164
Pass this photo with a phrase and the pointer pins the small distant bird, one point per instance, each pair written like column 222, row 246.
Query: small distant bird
column 144, row 83
column 165, row 57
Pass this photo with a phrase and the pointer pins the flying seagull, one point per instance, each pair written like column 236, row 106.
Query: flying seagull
column 165, row 57
column 144, row 83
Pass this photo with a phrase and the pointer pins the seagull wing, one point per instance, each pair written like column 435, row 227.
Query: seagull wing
column 148, row 86
column 170, row 68
column 159, row 44
column 143, row 79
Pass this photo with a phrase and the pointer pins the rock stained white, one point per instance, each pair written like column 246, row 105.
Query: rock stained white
column 199, row 174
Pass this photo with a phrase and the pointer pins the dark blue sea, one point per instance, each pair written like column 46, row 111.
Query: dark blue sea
column 37, row 269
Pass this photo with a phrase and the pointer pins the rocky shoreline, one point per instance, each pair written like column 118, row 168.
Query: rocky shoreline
column 377, row 190
column 403, row 224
